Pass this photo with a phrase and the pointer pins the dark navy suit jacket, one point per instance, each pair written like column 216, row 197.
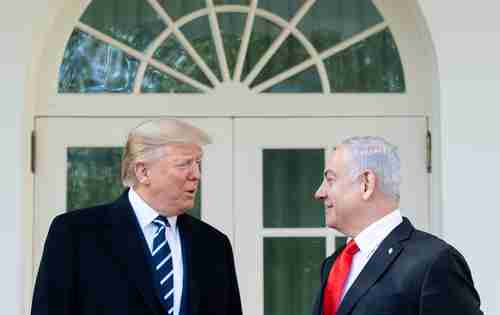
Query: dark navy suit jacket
column 96, row 261
column 411, row 273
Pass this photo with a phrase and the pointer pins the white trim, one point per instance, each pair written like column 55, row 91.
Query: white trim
column 141, row 57
column 149, row 55
column 110, row 40
column 407, row 24
column 245, row 40
column 308, row 47
column 353, row 40
column 318, row 59
column 157, row 43
column 185, row 43
column 277, row 42
column 288, row 28
column 180, row 76
column 218, row 42
column 188, row 105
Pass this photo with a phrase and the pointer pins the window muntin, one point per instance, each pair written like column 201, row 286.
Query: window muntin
column 274, row 48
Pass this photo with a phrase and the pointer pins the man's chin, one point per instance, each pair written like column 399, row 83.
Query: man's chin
column 184, row 210
column 187, row 208
column 331, row 223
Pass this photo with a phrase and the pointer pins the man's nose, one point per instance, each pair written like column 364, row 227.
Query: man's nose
column 319, row 194
column 196, row 171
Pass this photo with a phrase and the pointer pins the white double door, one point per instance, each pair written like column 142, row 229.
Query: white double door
column 258, row 180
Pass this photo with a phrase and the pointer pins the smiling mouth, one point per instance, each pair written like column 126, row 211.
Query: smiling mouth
column 329, row 206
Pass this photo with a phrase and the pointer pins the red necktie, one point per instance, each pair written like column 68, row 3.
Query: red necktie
column 337, row 278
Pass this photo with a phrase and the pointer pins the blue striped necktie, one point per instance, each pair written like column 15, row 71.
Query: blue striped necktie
column 162, row 262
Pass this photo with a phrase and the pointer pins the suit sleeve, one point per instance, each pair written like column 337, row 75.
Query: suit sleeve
column 234, row 300
column 448, row 287
column 53, row 294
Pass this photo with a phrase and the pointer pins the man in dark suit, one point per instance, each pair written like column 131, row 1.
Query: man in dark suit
column 387, row 266
column 142, row 254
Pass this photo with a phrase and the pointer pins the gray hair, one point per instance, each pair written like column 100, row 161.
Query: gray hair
column 147, row 143
column 379, row 156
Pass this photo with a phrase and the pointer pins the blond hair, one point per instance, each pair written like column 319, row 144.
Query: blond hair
column 147, row 143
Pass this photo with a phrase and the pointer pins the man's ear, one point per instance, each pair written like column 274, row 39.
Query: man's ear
column 368, row 184
column 141, row 173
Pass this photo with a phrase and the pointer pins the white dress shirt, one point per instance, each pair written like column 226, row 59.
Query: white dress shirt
column 145, row 216
column 368, row 241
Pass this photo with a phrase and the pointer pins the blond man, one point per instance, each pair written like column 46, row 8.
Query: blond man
column 142, row 254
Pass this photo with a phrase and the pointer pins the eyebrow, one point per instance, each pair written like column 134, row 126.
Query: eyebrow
column 190, row 156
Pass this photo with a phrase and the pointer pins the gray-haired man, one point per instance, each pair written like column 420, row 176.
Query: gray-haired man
column 142, row 254
column 387, row 267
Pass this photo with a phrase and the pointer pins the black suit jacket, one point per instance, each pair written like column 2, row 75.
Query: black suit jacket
column 412, row 272
column 96, row 261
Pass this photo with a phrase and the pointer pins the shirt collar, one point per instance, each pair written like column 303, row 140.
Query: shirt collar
column 371, row 237
column 144, row 213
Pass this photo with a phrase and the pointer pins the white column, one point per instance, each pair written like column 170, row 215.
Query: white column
column 465, row 34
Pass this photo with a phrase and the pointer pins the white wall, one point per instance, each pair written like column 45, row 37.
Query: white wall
column 20, row 27
column 466, row 37
column 14, row 56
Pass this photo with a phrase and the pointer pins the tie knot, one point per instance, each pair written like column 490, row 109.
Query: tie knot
column 161, row 221
column 351, row 248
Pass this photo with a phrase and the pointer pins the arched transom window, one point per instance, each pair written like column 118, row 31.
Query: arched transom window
column 197, row 46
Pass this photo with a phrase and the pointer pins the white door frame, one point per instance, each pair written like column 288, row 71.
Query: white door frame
column 406, row 22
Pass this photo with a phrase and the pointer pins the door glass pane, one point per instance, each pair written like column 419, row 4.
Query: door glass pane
column 223, row 2
column 329, row 22
column 288, row 55
column 290, row 178
column 231, row 26
column 93, row 178
column 179, row 8
column 175, row 56
column 373, row 65
column 291, row 274
column 307, row 81
column 133, row 22
column 92, row 66
column 156, row 81
column 199, row 33
column 284, row 9
column 263, row 35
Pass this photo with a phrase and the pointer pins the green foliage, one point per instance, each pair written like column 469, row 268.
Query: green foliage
column 156, row 81
column 370, row 66
column 91, row 66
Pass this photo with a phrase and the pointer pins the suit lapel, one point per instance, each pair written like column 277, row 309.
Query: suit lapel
column 383, row 257
column 129, row 248
column 191, row 294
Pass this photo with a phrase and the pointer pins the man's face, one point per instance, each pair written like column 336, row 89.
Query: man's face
column 174, row 178
column 339, row 192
